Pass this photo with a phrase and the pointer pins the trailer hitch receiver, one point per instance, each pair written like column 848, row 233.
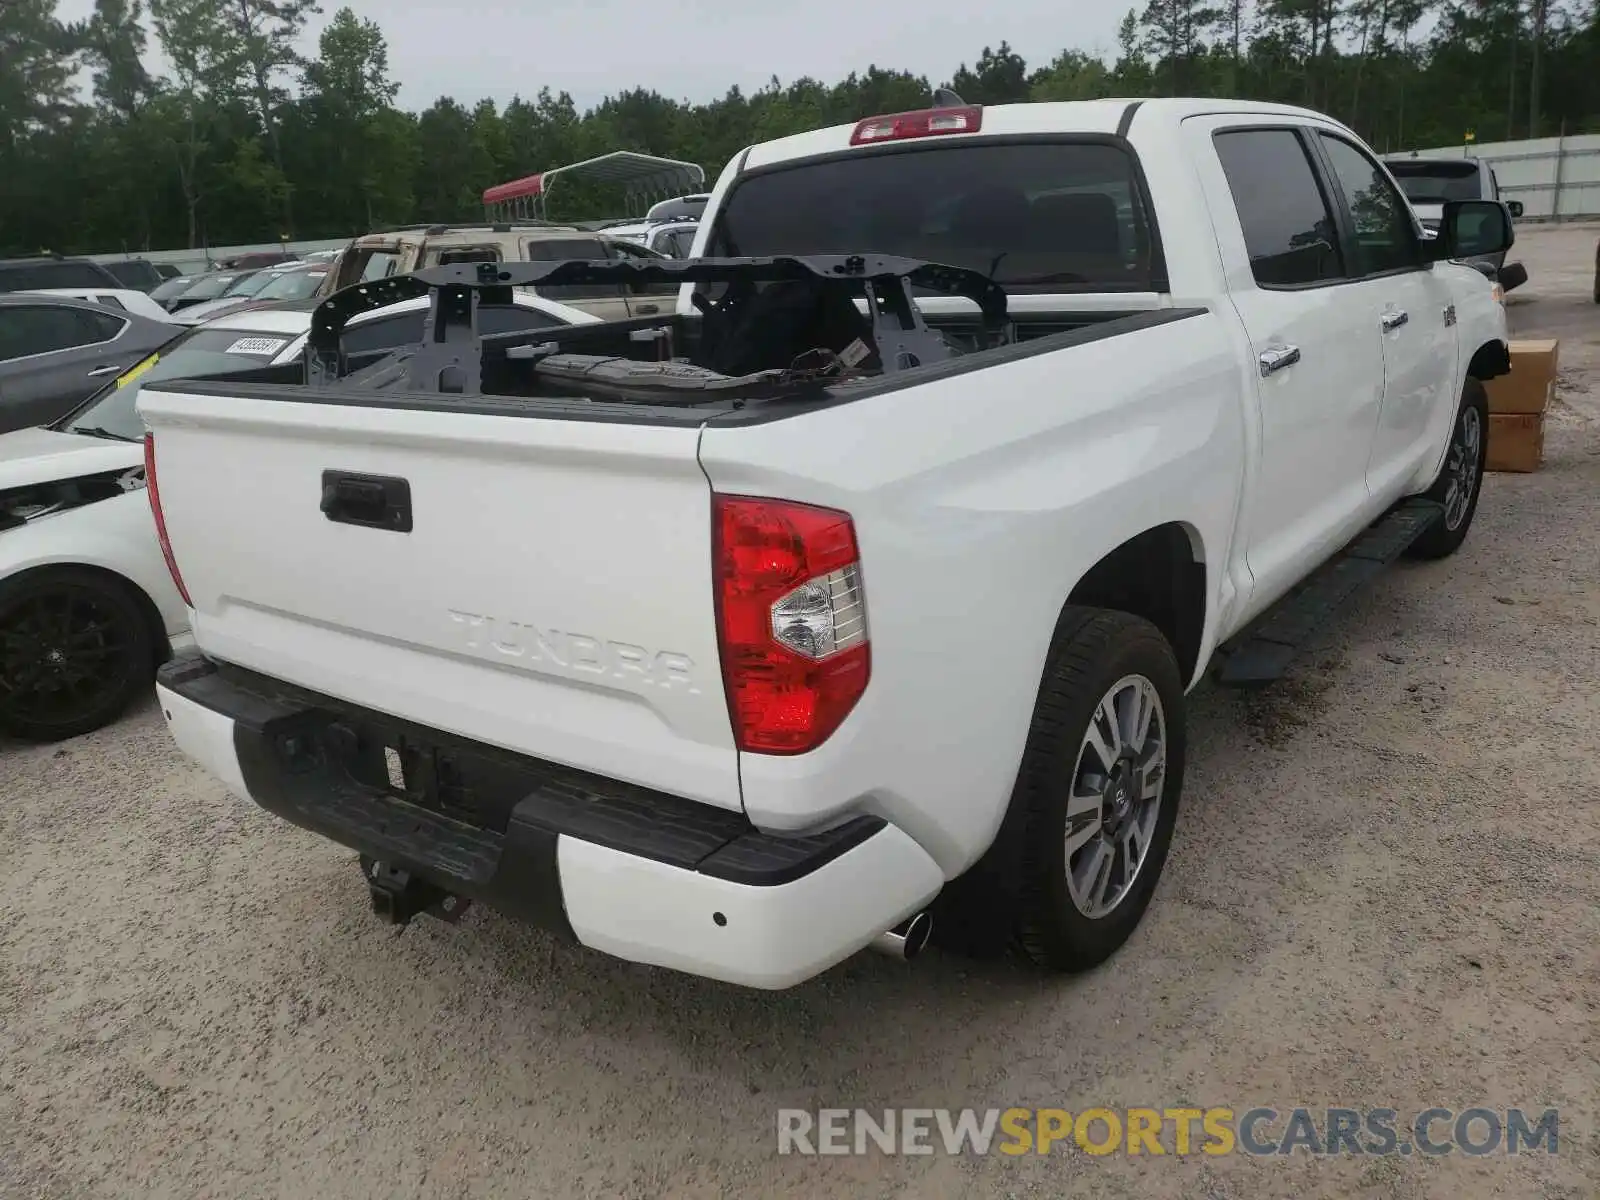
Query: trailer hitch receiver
column 398, row 895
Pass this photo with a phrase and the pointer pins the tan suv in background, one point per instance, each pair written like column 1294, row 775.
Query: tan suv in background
column 414, row 247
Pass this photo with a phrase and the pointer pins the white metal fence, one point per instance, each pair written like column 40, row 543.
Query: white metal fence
column 1555, row 178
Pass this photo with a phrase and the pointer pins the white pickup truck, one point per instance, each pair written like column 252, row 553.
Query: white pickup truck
column 859, row 589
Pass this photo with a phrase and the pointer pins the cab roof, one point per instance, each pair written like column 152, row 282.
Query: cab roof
column 1092, row 117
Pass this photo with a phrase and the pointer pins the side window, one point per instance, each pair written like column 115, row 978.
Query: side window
column 97, row 327
column 1386, row 239
column 631, row 253
column 380, row 265
column 110, row 301
column 405, row 329
column 467, row 254
column 556, row 249
column 27, row 329
column 1288, row 228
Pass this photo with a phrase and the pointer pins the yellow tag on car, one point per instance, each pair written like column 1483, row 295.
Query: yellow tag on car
column 133, row 373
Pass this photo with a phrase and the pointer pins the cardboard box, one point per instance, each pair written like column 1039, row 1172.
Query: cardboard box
column 1516, row 442
column 1532, row 382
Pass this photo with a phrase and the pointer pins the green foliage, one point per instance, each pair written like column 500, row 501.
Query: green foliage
column 242, row 139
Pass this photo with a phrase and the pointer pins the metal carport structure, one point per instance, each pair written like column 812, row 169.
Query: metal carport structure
column 644, row 178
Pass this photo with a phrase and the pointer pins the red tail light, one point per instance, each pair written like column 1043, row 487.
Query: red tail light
column 161, row 522
column 791, row 621
column 930, row 122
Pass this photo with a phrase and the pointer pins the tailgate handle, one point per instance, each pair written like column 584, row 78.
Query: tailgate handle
column 372, row 501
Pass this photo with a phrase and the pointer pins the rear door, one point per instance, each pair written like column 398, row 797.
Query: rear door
column 1317, row 354
column 54, row 355
column 1405, row 299
column 608, row 301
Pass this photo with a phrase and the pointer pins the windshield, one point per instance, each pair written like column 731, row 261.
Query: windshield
column 172, row 287
column 292, row 285
column 1042, row 217
column 1436, row 182
column 251, row 284
column 202, row 352
column 209, row 287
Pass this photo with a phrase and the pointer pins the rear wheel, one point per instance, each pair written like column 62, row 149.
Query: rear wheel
column 1096, row 799
column 1460, row 480
column 75, row 649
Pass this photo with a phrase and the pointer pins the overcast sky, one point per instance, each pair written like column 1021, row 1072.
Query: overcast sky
column 696, row 49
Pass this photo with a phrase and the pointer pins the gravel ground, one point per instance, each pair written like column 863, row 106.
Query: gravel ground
column 1383, row 892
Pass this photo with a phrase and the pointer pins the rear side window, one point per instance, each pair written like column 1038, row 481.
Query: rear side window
column 1289, row 230
column 27, row 329
column 1039, row 216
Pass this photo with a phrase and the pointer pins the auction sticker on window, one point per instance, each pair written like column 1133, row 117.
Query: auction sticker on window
column 134, row 372
column 263, row 347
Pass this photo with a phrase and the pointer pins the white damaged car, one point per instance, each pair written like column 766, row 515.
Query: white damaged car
column 88, row 610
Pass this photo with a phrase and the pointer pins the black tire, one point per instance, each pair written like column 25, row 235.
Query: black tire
column 76, row 648
column 1462, row 467
column 1018, row 895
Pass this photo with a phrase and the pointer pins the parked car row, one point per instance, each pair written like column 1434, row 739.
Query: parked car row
column 50, row 271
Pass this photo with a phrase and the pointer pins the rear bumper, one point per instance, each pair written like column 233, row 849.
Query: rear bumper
column 641, row 875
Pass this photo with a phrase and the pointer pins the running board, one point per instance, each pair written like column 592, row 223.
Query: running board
column 1266, row 650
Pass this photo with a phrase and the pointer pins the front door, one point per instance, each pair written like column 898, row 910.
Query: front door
column 1318, row 360
column 1410, row 305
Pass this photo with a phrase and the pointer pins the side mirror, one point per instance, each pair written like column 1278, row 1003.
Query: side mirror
column 1470, row 228
column 1515, row 207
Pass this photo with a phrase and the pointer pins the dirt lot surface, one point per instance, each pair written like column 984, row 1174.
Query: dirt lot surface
column 1384, row 892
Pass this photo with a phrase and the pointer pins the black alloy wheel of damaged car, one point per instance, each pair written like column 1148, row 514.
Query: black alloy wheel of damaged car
column 75, row 649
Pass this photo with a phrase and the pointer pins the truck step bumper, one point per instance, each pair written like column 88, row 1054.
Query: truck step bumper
column 646, row 877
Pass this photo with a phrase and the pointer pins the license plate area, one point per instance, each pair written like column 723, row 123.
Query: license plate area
column 428, row 773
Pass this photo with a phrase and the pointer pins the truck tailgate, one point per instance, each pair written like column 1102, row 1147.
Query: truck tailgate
column 552, row 596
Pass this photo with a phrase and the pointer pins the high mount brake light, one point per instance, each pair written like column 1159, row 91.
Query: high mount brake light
column 791, row 621
column 930, row 122
column 154, row 492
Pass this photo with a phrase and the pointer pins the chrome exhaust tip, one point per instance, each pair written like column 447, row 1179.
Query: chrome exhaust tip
column 907, row 939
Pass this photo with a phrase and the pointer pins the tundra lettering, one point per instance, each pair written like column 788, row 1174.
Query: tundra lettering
column 493, row 637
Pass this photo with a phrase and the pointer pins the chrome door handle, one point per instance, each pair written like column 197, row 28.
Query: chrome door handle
column 646, row 310
column 1276, row 360
column 99, row 371
column 1393, row 320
